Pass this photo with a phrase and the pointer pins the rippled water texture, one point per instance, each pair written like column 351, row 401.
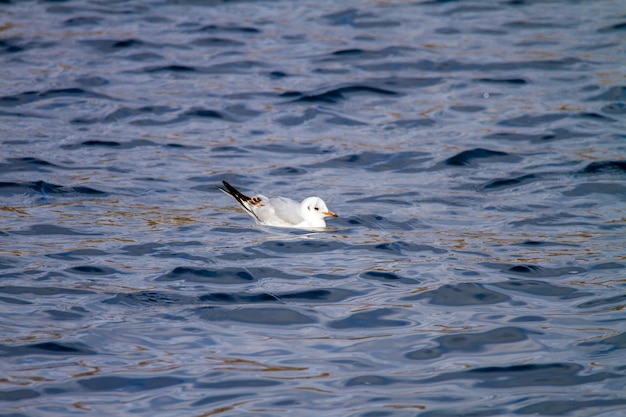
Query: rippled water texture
column 474, row 151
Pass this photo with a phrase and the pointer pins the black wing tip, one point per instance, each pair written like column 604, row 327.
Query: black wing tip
column 238, row 196
column 232, row 191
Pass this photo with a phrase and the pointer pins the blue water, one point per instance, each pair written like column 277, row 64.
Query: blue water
column 474, row 151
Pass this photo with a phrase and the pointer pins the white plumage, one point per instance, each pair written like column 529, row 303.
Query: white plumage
column 281, row 211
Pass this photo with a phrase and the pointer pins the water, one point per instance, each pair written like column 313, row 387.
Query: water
column 474, row 152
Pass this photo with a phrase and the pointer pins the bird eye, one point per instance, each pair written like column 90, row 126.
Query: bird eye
column 317, row 209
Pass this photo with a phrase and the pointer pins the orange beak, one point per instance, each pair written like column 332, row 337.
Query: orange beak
column 329, row 214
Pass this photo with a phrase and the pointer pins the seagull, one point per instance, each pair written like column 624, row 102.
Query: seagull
column 281, row 211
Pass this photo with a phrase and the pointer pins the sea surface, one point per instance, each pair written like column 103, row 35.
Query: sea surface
column 475, row 152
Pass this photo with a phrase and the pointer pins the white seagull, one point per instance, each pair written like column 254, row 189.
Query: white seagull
column 281, row 211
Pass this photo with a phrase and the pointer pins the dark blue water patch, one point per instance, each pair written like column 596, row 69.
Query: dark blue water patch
column 311, row 114
column 426, row 66
column 569, row 406
column 605, row 167
column 388, row 277
column 607, row 266
column 601, row 302
column 616, row 93
column 467, row 108
column 547, row 244
column 337, row 119
column 617, row 109
column 64, row 315
column 491, row 411
column 533, row 120
column 83, row 21
column 16, row 301
column 249, row 253
column 241, row 111
column 92, row 270
column 358, row 19
column 532, row 25
column 47, row 349
column 16, row 44
column 50, row 229
column 171, row 69
column 527, row 319
column 445, row 30
column 374, row 380
column 42, row 291
column 345, row 17
column 594, row 116
column 93, row 143
column 463, row 294
column 144, row 57
column 12, row 46
column 506, row 183
column 224, row 276
column 617, row 341
column 336, row 94
column 400, row 248
column 265, row 316
column 155, row 248
column 553, row 135
column 235, row 67
column 253, row 96
column 556, row 220
column 540, row 288
column 230, row 150
column 214, row 42
column 18, row 395
column 469, row 342
column 510, row 81
column 585, row 189
column 56, row 7
column 410, row 124
column 121, row 114
column 237, row 383
column 278, row 74
column 321, row 295
column 27, row 164
column 21, row 114
column 229, row 28
column 45, row 188
column 471, row 157
column 204, row 113
column 287, row 247
column 212, row 399
column 369, row 320
column 360, row 54
column 116, row 45
column 151, row 299
column 287, row 171
column 536, row 271
column 402, row 199
column 296, row 120
column 128, row 384
column 227, row 275
column 529, row 375
column 373, row 221
column 34, row 96
column 290, row 149
column 395, row 82
column 231, row 114
column 613, row 28
column 403, row 162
